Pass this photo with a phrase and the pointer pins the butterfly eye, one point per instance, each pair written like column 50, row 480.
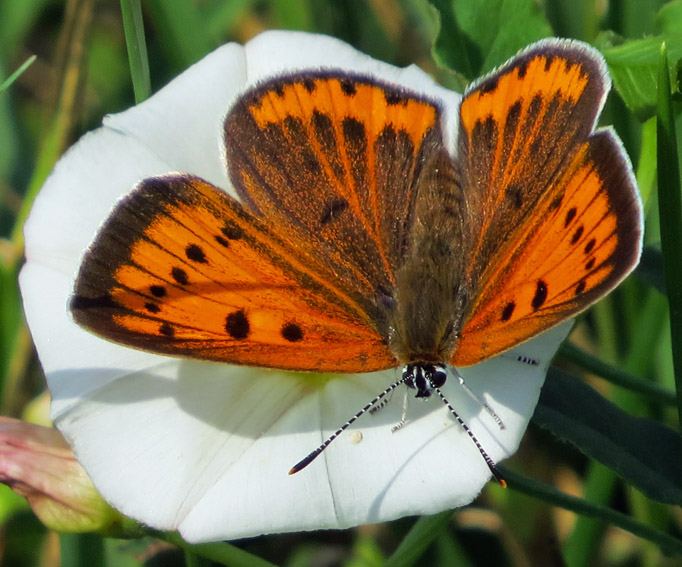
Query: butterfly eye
column 424, row 378
column 436, row 376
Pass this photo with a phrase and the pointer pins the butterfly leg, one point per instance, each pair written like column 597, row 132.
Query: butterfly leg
column 312, row 456
column 488, row 461
column 478, row 398
column 523, row 359
column 382, row 404
column 403, row 417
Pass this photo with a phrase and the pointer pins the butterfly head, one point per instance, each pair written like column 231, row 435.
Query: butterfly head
column 424, row 377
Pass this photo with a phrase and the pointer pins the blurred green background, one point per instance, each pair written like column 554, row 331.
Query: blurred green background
column 82, row 72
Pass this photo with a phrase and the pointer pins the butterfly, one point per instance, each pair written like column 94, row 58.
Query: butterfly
column 359, row 242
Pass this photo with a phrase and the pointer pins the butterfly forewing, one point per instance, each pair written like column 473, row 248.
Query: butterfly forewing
column 181, row 268
column 333, row 162
column 554, row 216
column 519, row 129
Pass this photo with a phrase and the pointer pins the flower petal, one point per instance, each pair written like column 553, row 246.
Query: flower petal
column 205, row 448
column 182, row 123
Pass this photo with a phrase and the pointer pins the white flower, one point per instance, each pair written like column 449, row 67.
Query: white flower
column 205, row 448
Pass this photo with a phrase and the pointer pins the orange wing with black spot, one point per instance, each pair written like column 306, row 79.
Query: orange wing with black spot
column 298, row 274
column 553, row 217
column 334, row 163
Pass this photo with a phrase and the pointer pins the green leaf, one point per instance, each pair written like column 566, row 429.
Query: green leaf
column 521, row 22
column 633, row 64
column 478, row 35
column 669, row 18
column 425, row 530
column 449, row 48
column 643, row 452
column 634, row 70
column 547, row 493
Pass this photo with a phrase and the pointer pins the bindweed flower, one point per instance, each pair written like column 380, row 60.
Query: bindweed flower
column 205, row 448
column 38, row 464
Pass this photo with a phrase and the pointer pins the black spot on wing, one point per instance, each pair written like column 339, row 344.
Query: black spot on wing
column 180, row 276
column 332, row 209
column 556, row 202
column 514, row 194
column 152, row 307
column 348, row 87
column 231, row 230
column 299, row 141
column 157, row 290
column 540, row 295
column 237, row 325
column 326, row 136
column 195, row 253
column 292, row 332
column 394, row 98
column 577, row 234
column 166, row 330
column 508, row 311
column 355, row 137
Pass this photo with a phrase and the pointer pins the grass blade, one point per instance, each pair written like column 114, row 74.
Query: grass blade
column 424, row 532
column 604, row 514
column 616, row 375
column 137, row 48
column 670, row 213
column 14, row 76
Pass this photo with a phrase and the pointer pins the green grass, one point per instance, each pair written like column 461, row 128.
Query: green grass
column 580, row 492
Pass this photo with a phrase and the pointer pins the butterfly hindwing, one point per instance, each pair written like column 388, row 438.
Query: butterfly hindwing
column 554, row 215
column 181, row 268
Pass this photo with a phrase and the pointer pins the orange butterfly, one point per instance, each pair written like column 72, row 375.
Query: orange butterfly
column 359, row 243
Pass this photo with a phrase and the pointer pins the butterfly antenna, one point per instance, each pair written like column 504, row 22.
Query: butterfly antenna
column 310, row 458
column 478, row 398
column 488, row 461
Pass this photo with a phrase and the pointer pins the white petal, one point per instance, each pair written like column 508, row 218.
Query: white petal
column 206, row 448
column 183, row 122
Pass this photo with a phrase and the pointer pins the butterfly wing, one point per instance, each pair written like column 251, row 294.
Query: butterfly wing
column 180, row 268
column 553, row 218
column 333, row 161
column 299, row 274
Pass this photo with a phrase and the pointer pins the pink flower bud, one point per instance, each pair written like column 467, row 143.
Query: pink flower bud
column 37, row 463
